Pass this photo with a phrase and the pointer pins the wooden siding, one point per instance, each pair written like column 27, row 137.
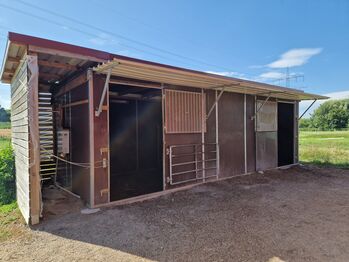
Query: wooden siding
column 34, row 139
column 20, row 137
column 183, row 112
column 25, row 137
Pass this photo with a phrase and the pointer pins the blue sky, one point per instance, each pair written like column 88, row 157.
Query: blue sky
column 251, row 39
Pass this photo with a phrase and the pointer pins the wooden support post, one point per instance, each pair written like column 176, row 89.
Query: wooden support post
column 92, row 141
column 203, row 120
column 34, row 138
column 296, row 133
column 217, row 137
column 245, row 131
column 164, row 156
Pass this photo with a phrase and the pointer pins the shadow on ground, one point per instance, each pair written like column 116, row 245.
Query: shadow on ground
column 299, row 214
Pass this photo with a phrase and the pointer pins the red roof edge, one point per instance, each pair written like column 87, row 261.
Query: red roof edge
column 45, row 43
column 41, row 42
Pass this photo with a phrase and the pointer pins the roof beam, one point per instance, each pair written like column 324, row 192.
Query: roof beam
column 9, row 71
column 73, row 83
column 50, row 51
column 50, row 76
column 13, row 59
column 57, row 65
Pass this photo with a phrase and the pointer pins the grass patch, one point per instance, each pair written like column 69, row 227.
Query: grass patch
column 11, row 222
column 324, row 148
column 4, row 142
column 5, row 125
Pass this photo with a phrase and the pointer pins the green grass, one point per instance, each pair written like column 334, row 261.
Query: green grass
column 5, row 125
column 324, row 148
column 11, row 222
column 4, row 141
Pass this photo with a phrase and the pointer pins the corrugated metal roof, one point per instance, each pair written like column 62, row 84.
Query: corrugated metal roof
column 176, row 76
column 144, row 70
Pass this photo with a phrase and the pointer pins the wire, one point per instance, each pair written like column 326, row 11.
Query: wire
column 119, row 35
column 75, row 29
column 84, row 165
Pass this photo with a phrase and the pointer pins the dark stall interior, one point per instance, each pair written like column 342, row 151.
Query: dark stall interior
column 285, row 134
column 135, row 118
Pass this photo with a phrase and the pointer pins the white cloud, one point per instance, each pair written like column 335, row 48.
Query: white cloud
column 102, row 39
column 272, row 75
column 295, row 57
column 332, row 96
column 338, row 95
column 230, row 74
column 65, row 27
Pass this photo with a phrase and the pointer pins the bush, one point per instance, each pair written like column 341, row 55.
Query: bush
column 7, row 176
column 331, row 115
column 305, row 123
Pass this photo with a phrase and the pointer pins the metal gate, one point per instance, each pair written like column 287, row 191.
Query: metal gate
column 193, row 162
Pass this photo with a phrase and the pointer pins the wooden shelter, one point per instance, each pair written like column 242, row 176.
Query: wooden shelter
column 114, row 129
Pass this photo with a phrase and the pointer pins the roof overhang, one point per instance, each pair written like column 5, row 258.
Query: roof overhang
column 18, row 45
column 182, row 77
column 65, row 56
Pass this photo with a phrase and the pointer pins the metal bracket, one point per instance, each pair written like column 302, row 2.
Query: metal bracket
column 106, row 85
column 215, row 103
column 259, row 109
column 307, row 109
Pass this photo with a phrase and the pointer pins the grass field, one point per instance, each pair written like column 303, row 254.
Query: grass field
column 5, row 125
column 5, row 134
column 10, row 217
column 325, row 148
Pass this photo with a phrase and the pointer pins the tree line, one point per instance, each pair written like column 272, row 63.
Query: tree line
column 331, row 115
column 4, row 115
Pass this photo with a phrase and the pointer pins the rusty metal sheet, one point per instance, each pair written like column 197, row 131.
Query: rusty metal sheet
column 250, row 134
column 101, row 175
column 231, row 134
column 266, row 150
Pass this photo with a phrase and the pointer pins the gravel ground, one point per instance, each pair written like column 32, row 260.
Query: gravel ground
column 299, row 214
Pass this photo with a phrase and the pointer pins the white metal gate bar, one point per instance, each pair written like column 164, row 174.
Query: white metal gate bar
column 198, row 164
column 47, row 165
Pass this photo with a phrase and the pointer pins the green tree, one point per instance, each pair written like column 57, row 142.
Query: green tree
column 4, row 115
column 305, row 123
column 7, row 176
column 331, row 115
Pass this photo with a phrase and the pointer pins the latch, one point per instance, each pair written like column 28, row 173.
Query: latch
column 104, row 191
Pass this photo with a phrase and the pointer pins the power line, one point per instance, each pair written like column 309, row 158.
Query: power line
column 119, row 35
column 77, row 30
column 104, row 6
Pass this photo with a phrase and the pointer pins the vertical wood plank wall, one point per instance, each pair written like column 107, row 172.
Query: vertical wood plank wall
column 34, row 138
column 20, row 136
column 25, row 138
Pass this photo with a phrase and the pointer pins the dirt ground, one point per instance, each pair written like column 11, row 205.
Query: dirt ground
column 299, row 214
